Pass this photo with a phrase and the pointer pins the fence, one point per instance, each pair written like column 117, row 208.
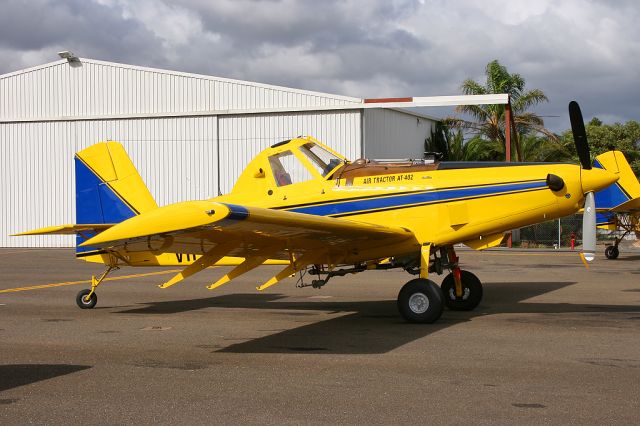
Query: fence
column 554, row 234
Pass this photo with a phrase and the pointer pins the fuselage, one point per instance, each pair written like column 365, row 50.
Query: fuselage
column 439, row 206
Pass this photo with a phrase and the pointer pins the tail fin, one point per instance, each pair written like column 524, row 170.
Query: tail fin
column 624, row 195
column 109, row 189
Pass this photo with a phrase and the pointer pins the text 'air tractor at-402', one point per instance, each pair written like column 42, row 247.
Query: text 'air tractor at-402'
column 301, row 205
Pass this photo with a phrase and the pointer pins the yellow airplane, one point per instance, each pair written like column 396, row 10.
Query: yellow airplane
column 618, row 206
column 306, row 207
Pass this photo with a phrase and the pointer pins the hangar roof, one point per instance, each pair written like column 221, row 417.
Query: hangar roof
column 92, row 88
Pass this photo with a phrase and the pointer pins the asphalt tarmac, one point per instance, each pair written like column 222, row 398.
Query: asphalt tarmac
column 552, row 342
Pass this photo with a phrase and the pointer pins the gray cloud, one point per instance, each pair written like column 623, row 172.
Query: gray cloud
column 584, row 50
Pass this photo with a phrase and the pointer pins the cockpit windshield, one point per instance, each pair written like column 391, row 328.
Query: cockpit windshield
column 323, row 160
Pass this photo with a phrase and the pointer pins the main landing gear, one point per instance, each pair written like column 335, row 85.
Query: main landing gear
column 470, row 296
column 422, row 301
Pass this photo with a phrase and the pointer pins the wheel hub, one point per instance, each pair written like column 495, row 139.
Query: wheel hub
column 419, row 303
column 465, row 293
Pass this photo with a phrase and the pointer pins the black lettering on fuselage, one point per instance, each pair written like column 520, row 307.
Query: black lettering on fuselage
column 187, row 257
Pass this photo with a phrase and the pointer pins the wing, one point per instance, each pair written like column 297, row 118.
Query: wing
column 215, row 230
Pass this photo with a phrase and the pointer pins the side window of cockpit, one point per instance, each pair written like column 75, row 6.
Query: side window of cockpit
column 287, row 169
column 323, row 161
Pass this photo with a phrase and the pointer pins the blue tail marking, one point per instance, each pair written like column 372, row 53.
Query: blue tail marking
column 96, row 202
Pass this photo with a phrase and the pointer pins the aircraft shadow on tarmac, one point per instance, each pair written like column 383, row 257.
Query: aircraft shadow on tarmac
column 369, row 327
column 624, row 258
column 14, row 375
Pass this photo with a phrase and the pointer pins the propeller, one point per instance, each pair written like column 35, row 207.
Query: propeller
column 589, row 215
column 579, row 135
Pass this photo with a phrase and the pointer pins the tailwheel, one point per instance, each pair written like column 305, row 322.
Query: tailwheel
column 86, row 299
column 420, row 301
column 611, row 252
column 471, row 291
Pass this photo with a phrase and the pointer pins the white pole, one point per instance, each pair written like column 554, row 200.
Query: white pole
column 559, row 232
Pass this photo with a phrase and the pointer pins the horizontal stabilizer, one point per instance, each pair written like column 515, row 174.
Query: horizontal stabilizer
column 67, row 229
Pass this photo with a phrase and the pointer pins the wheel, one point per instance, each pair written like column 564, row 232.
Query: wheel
column 420, row 300
column 83, row 302
column 611, row 252
column 471, row 292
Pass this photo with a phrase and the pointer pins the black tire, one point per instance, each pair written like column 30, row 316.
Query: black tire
column 611, row 252
column 420, row 301
column 83, row 303
column 471, row 292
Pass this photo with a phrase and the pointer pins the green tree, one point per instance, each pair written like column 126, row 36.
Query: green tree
column 450, row 144
column 544, row 149
column 454, row 147
column 481, row 149
column 606, row 137
column 490, row 119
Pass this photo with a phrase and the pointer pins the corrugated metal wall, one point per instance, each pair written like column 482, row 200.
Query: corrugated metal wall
column 176, row 157
column 99, row 88
column 243, row 137
column 393, row 134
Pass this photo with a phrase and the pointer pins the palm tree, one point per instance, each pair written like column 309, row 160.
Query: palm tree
column 453, row 146
column 544, row 149
column 444, row 141
column 490, row 119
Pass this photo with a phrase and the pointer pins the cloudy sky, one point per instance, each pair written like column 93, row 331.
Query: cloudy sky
column 573, row 49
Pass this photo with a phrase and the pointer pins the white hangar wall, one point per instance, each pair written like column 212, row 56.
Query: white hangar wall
column 173, row 125
column 395, row 134
column 174, row 156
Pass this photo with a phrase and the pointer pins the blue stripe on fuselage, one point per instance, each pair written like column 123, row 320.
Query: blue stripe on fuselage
column 388, row 202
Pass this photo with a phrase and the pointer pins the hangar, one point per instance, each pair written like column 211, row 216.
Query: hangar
column 189, row 135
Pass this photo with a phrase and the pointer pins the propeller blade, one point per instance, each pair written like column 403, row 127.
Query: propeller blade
column 589, row 228
column 579, row 135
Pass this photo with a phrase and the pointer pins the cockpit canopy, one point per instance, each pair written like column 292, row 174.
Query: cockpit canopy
column 289, row 162
column 299, row 163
